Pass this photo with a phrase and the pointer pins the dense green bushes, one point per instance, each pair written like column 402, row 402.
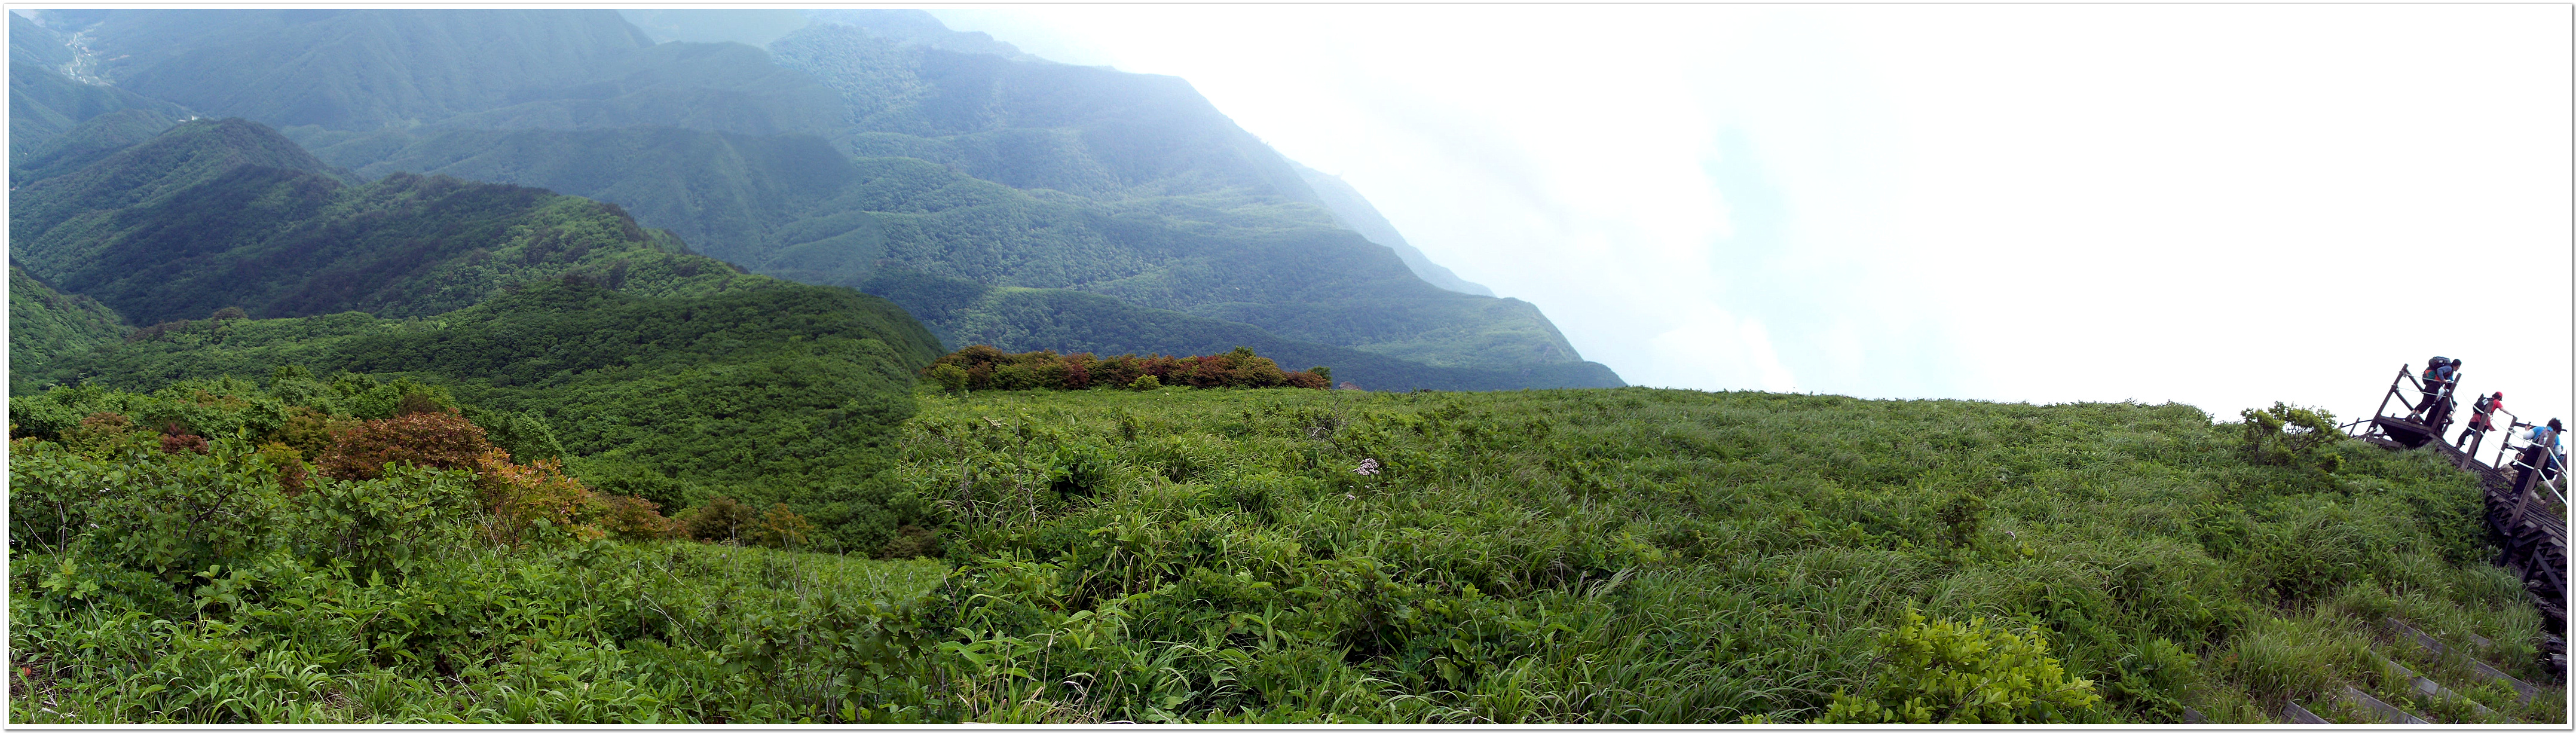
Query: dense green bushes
column 784, row 394
column 982, row 367
column 1314, row 556
column 1646, row 555
column 203, row 595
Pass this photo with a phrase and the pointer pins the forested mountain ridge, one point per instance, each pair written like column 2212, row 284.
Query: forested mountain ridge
column 227, row 213
column 1124, row 185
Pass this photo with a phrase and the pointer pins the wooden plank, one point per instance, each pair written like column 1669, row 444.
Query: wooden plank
column 2425, row 687
column 2421, row 639
column 2387, row 713
column 2300, row 715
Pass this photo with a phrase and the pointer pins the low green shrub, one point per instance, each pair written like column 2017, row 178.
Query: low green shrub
column 1949, row 672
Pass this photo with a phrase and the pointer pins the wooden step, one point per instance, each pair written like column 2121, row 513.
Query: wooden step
column 2385, row 712
column 2291, row 712
column 2438, row 649
column 2426, row 688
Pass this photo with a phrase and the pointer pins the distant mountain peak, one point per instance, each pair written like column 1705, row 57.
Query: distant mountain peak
column 919, row 28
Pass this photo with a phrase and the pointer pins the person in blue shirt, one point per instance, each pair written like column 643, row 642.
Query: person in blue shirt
column 2544, row 441
column 2439, row 374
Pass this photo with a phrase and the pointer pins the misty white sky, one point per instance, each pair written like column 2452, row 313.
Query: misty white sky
column 2217, row 205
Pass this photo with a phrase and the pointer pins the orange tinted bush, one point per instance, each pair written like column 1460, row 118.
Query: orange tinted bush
column 520, row 497
column 101, row 431
column 309, row 431
column 635, row 518
column 430, row 439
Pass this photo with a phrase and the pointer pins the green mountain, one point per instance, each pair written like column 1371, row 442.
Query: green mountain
column 85, row 143
column 44, row 103
column 803, row 213
column 217, row 214
column 47, row 326
column 868, row 141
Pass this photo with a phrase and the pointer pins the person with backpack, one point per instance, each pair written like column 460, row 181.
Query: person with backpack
column 2435, row 408
column 2482, row 416
column 2544, row 443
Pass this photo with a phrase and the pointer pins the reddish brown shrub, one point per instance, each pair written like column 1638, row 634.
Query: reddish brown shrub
column 175, row 439
column 309, row 431
column 291, row 476
column 99, row 432
column 431, row 439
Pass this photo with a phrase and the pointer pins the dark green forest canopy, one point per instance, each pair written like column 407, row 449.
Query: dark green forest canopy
column 778, row 394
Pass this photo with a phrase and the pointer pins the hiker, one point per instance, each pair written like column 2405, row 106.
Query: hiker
column 2544, row 441
column 2436, row 405
column 2482, row 416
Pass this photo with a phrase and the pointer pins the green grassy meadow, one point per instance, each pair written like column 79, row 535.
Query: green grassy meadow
column 1614, row 556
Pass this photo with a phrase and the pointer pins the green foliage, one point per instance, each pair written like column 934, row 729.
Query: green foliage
column 1656, row 556
column 2286, row 435
column 1639, row 556
column 1948, row 672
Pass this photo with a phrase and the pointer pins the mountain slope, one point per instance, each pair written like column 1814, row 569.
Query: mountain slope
column 87, row 142
column 47, row 326
column 1029, row 123
column 1123, row 185
column 227, row 213
column 789, row 207
column 1030, row 319
column 44, row 103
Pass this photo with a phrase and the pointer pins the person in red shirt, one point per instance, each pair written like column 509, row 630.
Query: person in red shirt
column 2482, row 416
